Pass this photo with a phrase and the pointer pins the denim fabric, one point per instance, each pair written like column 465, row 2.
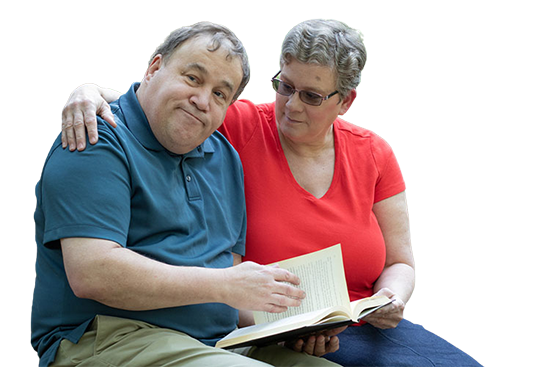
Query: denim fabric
column 407, row 345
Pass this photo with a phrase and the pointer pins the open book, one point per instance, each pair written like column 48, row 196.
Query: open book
column 326, row 305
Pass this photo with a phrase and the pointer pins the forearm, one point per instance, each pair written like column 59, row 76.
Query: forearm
column 118, row 277
column 109, row 95
column 121, row 278
column 399, row 278
column 94, row 91
column 398, row 274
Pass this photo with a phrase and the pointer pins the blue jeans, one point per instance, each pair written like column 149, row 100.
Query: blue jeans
column 406, row 345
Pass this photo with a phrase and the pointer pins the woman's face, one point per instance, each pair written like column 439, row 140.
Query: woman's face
column 303, row 123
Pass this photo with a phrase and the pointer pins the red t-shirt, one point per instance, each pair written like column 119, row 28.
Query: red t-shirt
column 284, row 220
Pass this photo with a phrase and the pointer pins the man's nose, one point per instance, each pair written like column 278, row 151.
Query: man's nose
column 201, row 98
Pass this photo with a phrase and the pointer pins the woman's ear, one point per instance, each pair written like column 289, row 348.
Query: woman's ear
column 347, row 102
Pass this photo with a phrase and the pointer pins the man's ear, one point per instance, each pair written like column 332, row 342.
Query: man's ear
column 154, row 66
column 347, row 102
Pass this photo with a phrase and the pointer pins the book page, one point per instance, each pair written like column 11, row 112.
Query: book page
column 363, row 307
column 321, row 276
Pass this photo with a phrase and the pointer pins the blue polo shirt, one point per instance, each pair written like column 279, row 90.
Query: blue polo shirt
column 186, row 210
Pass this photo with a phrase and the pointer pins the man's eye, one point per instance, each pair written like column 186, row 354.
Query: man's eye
column 192, row 79
column 220, row 95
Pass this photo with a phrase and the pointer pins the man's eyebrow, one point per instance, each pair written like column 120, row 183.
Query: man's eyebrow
column 198, row 67
column 226, row 83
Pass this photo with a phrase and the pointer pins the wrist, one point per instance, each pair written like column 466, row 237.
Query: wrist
column 223, row 281
column 214, row 284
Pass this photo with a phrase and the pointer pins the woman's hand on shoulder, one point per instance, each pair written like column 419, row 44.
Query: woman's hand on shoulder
column 79, row 116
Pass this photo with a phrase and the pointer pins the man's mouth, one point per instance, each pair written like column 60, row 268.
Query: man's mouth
column 192, row 115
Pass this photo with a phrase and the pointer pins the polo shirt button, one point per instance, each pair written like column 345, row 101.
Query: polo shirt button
column 188, row 178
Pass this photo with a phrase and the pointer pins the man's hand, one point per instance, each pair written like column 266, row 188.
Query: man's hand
column 387, row 317
column 79, row 116
column 317, row 345
column 249, row 286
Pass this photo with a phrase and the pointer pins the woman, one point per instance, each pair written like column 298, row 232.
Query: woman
column 313, row 180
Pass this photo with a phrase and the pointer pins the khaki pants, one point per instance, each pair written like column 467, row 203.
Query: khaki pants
column 114, row 342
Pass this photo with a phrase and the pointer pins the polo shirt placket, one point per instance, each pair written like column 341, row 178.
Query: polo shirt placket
column 189, row 179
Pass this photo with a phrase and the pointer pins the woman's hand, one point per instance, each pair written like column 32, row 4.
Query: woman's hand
column 317, row 345
column 79, row 115
column 387, row 317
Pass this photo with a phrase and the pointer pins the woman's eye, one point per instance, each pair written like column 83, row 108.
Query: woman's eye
column 312, row 96
column 286, row 88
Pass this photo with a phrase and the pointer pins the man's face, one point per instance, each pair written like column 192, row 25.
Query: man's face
column 185, row 98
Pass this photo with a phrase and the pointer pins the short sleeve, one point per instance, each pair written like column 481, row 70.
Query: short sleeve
column 240, row 247
column 240, row 123
column 86, row 194
column 390, row 180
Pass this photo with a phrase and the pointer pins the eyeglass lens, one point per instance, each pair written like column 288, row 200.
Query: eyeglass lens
column 287, row 90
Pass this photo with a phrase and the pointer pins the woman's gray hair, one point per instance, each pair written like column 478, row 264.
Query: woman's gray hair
column 328, row 43
column 220, row 36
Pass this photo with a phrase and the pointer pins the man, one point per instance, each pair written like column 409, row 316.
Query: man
column 137, row 236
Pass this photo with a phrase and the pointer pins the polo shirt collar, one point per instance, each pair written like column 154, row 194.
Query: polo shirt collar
column 139, row 126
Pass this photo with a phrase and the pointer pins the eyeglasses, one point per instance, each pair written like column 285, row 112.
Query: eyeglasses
column 310, row 98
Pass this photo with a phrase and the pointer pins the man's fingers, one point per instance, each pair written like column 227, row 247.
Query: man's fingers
column 289, row 292
column 274, row 308
column 285, row 298
column 284, row 301
column 283, row 275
